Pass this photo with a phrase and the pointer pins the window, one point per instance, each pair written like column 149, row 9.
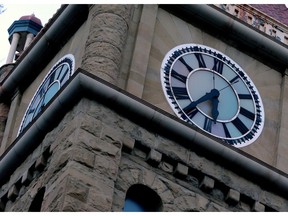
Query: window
column 140, row 198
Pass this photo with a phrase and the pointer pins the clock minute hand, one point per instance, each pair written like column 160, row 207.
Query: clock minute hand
column 215, row 111
column 214, row 93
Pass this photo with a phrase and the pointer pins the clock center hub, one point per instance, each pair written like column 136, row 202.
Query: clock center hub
column 204, row 86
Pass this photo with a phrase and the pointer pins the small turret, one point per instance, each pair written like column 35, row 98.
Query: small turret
column 21, row 33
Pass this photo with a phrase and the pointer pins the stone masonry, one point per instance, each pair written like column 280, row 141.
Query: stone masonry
column 89, row 161
column 107, row 37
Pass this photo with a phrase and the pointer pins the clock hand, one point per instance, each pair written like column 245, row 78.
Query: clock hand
column 214, row 93
column 236, row 81
column 215, row 111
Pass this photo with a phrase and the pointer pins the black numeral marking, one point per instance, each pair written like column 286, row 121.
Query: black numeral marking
column 180, row 93
column 226, row 131
column 189, row 68
column 234, row 80
column 218, row 66
column 178, row 76
column 208, row 124
column 190, row 109
column 200, row 59
column 51, row 78
column 245, row 96
column 247, row 113
column 240, row 126
column 190, row 115
column 64, row 72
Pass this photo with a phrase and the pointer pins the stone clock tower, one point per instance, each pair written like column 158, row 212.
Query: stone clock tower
column 148, row 108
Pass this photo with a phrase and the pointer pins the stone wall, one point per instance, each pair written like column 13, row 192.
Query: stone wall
column 89, row 161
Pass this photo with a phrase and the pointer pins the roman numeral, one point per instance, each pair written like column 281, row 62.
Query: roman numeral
column 247, row 113
column 218, row 66
column 189, row 68
column 191, row 114
column 63, row 73
column 226, row 131
column 200, row 59
column 190, row 110
column 234, row 80
column 180, row 93
column 245, row 96
column 208, row 124
column 178, row 76
column 240, row 126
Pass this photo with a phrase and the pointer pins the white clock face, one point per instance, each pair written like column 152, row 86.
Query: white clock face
column 54, row 80
column 208, row 89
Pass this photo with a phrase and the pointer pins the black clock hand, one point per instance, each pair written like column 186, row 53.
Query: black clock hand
column 214, row 93
column 215, row 111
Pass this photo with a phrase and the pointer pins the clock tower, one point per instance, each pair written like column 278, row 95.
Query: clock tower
column 148, row 108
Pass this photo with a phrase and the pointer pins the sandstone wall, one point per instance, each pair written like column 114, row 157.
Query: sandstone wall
column 88, row 162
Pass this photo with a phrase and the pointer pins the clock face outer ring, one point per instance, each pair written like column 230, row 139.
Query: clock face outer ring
column 245, row 137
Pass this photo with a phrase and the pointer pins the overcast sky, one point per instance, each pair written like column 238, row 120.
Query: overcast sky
column 13, row 12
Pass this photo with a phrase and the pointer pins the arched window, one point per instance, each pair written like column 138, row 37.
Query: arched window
column 37, row 201
column 140, row 198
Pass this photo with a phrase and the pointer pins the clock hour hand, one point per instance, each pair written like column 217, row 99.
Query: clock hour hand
column 214, row 93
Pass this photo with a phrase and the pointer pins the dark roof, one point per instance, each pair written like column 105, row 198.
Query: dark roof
column 31, row 17
column 276, row 11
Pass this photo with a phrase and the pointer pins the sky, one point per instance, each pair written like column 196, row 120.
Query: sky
column 13, row 12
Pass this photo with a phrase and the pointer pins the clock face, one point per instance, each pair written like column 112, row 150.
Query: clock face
column 208, row 89
column 54, row 80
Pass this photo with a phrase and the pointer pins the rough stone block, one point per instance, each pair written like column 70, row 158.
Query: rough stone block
column 233, row 197
column 107, row 166
column 258, row 207
column 207, row 184
column 76, row 189
column 154, row 157
column 82, row 155
column 128, row 144
column 27, row 177
column 12, row 193
column 110, row 134
column 40, row 163
column 72, row 204
column 181, row 170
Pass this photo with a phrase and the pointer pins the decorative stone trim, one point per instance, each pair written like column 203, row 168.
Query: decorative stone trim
column 13, row 193
column 181, row 171
column 258, row 20
column 128, row 144
column 233, row 197
column 38, row 166
column 40, row 163
column 154, row 158
column 207, row 184
column 26, row 178
column 258, row 207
